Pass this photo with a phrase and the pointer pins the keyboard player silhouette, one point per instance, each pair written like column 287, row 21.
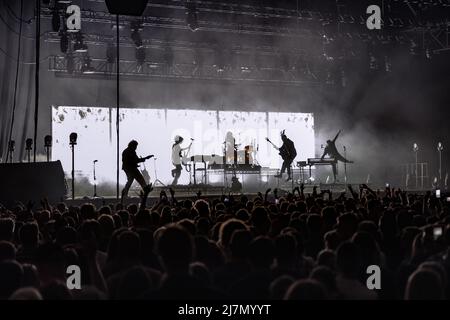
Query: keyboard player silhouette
column 331, row 151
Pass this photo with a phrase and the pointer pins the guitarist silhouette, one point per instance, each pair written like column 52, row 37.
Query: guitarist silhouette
column 288, row 153
column 130, row 162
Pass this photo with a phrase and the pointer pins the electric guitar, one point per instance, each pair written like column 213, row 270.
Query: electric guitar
column 284, row 153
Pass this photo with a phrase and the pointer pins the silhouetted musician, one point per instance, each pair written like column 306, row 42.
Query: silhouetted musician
column 130, row 163
column 332, row 152
column 177, row 158
column 287, row 153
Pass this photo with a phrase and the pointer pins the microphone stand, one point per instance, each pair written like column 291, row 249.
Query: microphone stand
column 95, row 181
column 156, row 176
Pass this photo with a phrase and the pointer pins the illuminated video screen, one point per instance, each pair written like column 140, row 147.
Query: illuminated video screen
column 155, row 130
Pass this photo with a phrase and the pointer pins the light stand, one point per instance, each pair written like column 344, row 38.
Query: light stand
column 28, row 148
column 440, row 148
column 416, row 150
column 48, row 145
column 156, row 175
column 73, row 141
column 95, row 181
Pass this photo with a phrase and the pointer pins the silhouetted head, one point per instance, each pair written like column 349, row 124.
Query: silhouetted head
column 348, row 260
column 261, row 252
column 424, row 284
column 279, row 286
column 6, row 229
column 56, row 290
column 11, row 276
column 27, row 293
column 29, row 235
column 176, row 249
column 178, row 139
column 227, row 229
column 329, row 142
column 133, row 283
column 133, row 144
column 306, row 289
column 7, row 251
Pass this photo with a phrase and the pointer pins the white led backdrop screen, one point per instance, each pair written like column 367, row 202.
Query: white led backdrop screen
column 155, row 130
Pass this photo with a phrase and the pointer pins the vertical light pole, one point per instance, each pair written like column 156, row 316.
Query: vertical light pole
column 48, row 145
column 416, row 169
column 117, row 105
column 73, row 141
column 28, row 148
column 440, row 148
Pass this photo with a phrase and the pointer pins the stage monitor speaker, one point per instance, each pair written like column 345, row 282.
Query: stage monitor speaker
column 127, row 7
column 31, row 182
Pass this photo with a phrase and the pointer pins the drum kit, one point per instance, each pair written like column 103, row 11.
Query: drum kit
column 245, row 156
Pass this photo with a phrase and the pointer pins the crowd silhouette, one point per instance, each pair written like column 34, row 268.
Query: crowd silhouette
column 266, row 246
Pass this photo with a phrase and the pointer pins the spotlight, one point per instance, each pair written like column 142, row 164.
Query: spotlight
column 191, row 16
column 28, row 144
column 329, row 79
column 413, row 47
column 48, row 141
column 48, row 145
column 11, row 145
column 373, row 62
column 79, row 45
column 387, row 64
column 28, row 147
column 56, row 20
column 73, row 141
column 64, row 42
column 86, row 68
column 440, row 146
column 73, row 138
column 415, row 147
column 428, row 53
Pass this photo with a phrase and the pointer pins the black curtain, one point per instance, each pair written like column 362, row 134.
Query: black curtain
column 9, row 39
